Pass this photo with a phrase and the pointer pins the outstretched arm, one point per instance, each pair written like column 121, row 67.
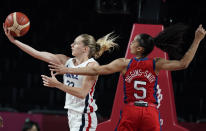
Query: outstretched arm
column 117, row 65
column 41, row 55
column 162, row 64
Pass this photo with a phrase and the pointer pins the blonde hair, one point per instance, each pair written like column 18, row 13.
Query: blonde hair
column 97, row 48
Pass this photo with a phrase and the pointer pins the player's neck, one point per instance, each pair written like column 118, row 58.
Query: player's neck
column 80, row 59
column 139, row 57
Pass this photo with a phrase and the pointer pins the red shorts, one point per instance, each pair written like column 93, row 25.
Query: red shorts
column 136, row 118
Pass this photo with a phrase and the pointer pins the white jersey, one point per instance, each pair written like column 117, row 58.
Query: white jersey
column 74, row 103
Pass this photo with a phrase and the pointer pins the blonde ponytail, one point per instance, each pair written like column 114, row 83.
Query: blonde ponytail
column 105, row 43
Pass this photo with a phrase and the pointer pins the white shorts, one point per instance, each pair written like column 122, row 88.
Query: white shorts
column 82, row 122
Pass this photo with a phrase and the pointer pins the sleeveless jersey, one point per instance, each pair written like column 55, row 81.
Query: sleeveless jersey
column 140, row 81
column 74, row 103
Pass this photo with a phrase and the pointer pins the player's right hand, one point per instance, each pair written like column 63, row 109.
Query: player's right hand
column 200, row 33
column 59, row 69
column 8, row 34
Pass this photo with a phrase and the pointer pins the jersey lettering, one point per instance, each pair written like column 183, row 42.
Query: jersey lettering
column 72, row 76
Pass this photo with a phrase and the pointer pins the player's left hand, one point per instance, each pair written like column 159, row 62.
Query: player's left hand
column 8, row 34
column 200, row 33
column 58, row 68
column 50, row 81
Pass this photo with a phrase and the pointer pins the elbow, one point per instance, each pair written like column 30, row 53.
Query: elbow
column 39, row 55
column 184, row 65
column 82, row 96
column 95, row 71
column 101, row 71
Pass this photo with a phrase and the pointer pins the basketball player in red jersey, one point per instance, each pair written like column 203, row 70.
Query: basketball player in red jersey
column 140, row 75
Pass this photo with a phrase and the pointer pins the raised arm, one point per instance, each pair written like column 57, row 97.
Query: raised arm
column 118, row 65
column 162, row 64
column 41, row 55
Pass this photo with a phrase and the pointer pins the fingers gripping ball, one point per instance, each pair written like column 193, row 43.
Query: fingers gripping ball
column 18, row 24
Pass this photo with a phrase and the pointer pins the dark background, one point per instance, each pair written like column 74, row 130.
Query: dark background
column 54, row 26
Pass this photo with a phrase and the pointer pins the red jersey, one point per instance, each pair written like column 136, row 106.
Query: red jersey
column 140, row 81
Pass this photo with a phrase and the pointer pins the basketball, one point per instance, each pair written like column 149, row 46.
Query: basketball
column 18, row 24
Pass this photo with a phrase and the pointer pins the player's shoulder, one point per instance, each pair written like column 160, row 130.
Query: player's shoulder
column 158, row 59
column 159, row 62
column 63, row 58
column 123, row 61
column 93, row 63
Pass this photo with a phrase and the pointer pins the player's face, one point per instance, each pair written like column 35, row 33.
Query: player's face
column 135, row 47
column 78, row 47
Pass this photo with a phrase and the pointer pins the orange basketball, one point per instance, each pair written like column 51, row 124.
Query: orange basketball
column 18, row 24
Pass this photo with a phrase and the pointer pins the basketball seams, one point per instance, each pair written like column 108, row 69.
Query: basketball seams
column 21, row 27
column 14, row 22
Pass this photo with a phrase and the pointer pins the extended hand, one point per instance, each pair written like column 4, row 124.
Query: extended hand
column 50, row 81
column 58, row 68
column 200, row 33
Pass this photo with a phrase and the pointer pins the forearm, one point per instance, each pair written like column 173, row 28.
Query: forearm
column 189, row 55
column 44, row 56
column 115, row 66
column 187, row 58
column 85, row 71
column 29, row 50
column 172, row 65
column 78, row 92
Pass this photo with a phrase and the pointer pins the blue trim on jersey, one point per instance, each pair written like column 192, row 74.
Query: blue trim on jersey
column 83, row 123
column 124, row 87
column 142, row 59
column 124, row 90
column 154, row 66
column 83, row 115
column 155, row 90
column 119, row 120
column 129, row 63
column 86, row 103
column 155, row 86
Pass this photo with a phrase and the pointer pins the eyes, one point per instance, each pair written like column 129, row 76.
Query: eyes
column 133, row 42
column 76, row 43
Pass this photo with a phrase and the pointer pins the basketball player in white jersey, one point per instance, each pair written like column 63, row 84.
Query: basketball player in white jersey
column 79, row 89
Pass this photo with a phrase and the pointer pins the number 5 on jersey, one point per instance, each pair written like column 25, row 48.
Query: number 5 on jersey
column 138, row 86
